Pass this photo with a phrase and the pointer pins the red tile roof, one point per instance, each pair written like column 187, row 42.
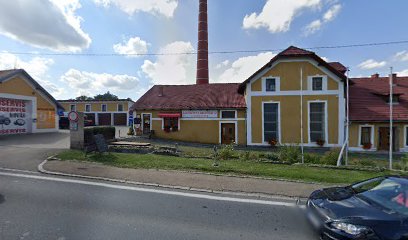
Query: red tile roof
column 295, row 52
column 338, row 66
column 205, row 96
column 368, row 99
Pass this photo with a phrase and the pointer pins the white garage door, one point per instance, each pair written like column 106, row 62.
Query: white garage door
column 15, row 116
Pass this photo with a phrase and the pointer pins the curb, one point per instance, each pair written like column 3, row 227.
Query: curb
column 234, row 193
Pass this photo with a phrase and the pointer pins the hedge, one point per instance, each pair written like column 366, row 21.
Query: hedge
column 107, row 132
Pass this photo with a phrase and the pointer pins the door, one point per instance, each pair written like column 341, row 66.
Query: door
column 384, row 141
column 146, row 123
column 227, row 133
column 104, row 119
column 119, row 119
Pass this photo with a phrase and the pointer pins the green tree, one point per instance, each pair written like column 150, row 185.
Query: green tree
column 106, row 97
column 83, row 97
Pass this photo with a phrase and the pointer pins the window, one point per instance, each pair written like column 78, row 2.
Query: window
column 228, row 114
column 270, row 127
column 317, row 83
column 87, row 107
column 104, row 108
column 120, row 107
column 365, row 136
column 317, row 121
column 270, row 84
column 170, row 124
column 73, row 107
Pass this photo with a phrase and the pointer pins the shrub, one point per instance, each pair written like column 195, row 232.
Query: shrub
column 248, row 155
column 330, row 157
column 107, row 132
column 273, row 157
column 312, row 158
column 290, row 154
column 226, row 152
column 131, row 132
column 403, row 164
column 366, row 163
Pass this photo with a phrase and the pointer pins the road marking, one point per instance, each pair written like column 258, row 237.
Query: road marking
column 131, row 188
column 18, row 170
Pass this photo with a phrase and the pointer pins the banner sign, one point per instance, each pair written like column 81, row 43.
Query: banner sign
column 200, row 114
column 13, row 116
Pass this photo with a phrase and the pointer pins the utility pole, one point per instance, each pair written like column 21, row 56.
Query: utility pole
column 348, row 115
column 301, row 114
column 391, row 113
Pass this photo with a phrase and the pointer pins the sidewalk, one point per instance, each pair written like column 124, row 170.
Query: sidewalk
column 184, row 180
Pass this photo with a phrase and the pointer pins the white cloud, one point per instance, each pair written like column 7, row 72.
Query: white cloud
column 172, row 69
column 329, row 16
column 277, row 15
column 132, row 47
column 163, row 7
column 37, row 67
column 86, row 83
column 401, row 56
column 50, row 24
column 371, row 64
column 222, row 64
column 403, row 73
column 244, row 67
column 332, row 13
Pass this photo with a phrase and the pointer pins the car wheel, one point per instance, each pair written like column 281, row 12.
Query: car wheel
column 7, row 121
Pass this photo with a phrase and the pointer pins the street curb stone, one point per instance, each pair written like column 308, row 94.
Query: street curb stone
column 235, row 193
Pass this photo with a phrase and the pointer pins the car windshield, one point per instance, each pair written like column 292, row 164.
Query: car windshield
column 389, row 193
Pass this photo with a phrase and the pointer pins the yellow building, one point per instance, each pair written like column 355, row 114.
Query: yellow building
column 204, row 113
column 99, row 113
column 370, row 113
column 25, row 106
column 296, row 90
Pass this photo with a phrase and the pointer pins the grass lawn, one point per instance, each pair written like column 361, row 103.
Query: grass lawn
column 240, row 167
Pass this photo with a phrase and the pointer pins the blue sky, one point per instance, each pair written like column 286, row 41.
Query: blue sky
column 71, row 27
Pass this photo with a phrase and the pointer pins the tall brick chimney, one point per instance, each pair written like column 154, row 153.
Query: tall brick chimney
column 202, row 48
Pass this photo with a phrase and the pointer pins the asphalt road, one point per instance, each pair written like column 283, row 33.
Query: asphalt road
column 27, row 151
column 52, row 208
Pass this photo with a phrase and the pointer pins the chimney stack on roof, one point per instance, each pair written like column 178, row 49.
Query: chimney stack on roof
column 394, row 79
column 161, row 91
column 376, row 75
column 202, row 48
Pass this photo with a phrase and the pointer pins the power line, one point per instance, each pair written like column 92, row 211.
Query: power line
column 210, row 52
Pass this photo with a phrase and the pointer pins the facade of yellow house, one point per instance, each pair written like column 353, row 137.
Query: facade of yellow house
column 25, row 107
column 203, row 113
column 100, row 113
column 370, row 113
column 296, row 90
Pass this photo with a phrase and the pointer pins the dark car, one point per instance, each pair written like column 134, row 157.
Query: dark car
column 5, row 120
column 372, row 209
column 19, row 122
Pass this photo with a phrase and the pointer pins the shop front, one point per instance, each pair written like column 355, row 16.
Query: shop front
column 25, row 107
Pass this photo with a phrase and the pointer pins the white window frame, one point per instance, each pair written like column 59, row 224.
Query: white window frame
column 74, row 109
column 279, row 121
column 106, row 107
column 277, row 84
column 123, row 107
column 310, row 83
column 235, row 116
column 360, row 127
column 90, row 108
column 326, row 126
column 220, row 130
column 405, row 136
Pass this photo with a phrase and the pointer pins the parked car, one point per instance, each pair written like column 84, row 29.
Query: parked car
column 373, row 209
column 5, row 120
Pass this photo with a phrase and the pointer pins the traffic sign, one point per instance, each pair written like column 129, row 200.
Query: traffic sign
column 73, row 116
